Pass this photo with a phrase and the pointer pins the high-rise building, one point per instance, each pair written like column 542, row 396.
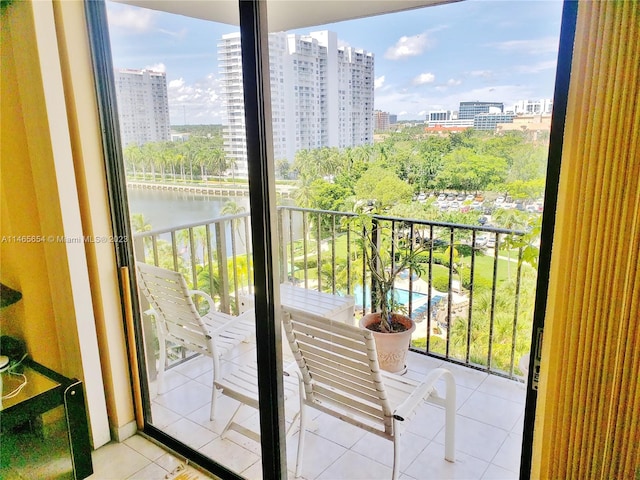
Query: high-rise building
column 321, row 94
column 468, row 110
column 543, row 106
column 393, row 119
column 381, row 120
column 143, row 106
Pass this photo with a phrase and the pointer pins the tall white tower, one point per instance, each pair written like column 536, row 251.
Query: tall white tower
column 143, row 106
column 321, row 95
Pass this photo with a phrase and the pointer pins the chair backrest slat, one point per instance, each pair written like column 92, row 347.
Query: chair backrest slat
column 352, row 358
column 168, row 294
column 340, row 369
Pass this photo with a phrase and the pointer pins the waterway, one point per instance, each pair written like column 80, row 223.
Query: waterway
column 165, row 209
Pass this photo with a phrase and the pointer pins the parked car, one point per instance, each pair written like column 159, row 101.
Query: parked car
column 442, row 197
column 481, row 241
column 499, row 200
column 470, row 197
column 422, row 197
column 461, row 197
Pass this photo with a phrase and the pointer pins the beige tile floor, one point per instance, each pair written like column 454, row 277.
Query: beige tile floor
column 488, row 431
column 488, row 435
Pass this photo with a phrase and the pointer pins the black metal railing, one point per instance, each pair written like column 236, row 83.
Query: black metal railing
column 467, row 300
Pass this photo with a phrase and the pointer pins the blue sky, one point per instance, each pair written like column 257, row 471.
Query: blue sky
column 425, row 59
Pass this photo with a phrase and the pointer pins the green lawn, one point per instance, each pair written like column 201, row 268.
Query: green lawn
column 440, row 274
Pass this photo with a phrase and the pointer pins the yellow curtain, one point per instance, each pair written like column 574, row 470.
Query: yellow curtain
column 587, row 423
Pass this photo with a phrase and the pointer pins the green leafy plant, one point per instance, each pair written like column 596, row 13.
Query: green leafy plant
column 387, row 252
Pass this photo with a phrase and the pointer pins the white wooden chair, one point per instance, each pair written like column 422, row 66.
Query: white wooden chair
column 178, row 320
column 340, row 376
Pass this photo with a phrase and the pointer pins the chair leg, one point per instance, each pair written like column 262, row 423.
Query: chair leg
column 214, row 395
column 301, row 436
column 161, row 365
column 396, row 450
column 450, row 419
column 214, row 390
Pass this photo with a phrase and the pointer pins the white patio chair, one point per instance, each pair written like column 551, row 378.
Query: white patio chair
column 178, row 321
column 242, row 385
column 340, row 376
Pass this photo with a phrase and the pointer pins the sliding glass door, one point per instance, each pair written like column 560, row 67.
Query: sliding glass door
column 241, row 138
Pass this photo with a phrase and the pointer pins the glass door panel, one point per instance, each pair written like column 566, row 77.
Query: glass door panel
column 178, row 83
column 399, row 115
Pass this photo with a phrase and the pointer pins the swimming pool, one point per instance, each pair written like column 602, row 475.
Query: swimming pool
column 401, row 296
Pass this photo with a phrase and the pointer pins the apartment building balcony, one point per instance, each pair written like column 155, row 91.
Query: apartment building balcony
column 472, row 318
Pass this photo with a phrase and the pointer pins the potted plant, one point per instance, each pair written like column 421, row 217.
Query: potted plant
column 387, row 253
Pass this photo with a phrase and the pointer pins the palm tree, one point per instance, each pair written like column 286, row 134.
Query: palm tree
column 512, row 220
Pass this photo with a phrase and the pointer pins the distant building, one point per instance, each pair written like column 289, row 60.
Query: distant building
column 321, row 95
column 534, row 124
column 468, row 110
column 393, row 119
column 381, row 120
column 180, row 137
column 447, row 119
column 437, row 116
column 489, row 121
column 143, row 106
column 534, row 107
column 446, row 130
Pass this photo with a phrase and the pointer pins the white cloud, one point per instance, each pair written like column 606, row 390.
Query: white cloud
column 157, row 67
column 378, row 82
column 532, row 47
column 180, row 35
column 409, row 46
column 197, row 102
column 132, row 19
column 536, row 67
column 411, row 105
column 424, row 78
column 452, row 82
column 481, row 73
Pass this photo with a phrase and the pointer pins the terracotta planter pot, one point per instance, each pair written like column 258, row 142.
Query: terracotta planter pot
column 392, row 348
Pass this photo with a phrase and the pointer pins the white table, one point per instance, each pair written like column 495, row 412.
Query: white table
column 333, row 307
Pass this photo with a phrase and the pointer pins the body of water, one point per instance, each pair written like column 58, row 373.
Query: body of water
column 163, row 209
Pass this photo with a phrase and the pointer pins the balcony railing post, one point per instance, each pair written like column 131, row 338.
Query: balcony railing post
column 375, row 240
column 223, row 270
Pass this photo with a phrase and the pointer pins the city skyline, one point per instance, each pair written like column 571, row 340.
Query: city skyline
column 426, row 59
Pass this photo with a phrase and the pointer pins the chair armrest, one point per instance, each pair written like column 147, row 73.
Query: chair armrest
column 424, row 390
column 206, row 296
column 407, row 407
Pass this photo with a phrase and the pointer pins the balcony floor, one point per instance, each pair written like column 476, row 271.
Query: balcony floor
column 490, row 413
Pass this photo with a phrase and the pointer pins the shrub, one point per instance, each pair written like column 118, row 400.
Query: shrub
column 441, row 258
column 311, row 263
column 441, row 281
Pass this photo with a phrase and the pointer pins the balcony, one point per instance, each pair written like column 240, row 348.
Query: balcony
column 472, row 313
